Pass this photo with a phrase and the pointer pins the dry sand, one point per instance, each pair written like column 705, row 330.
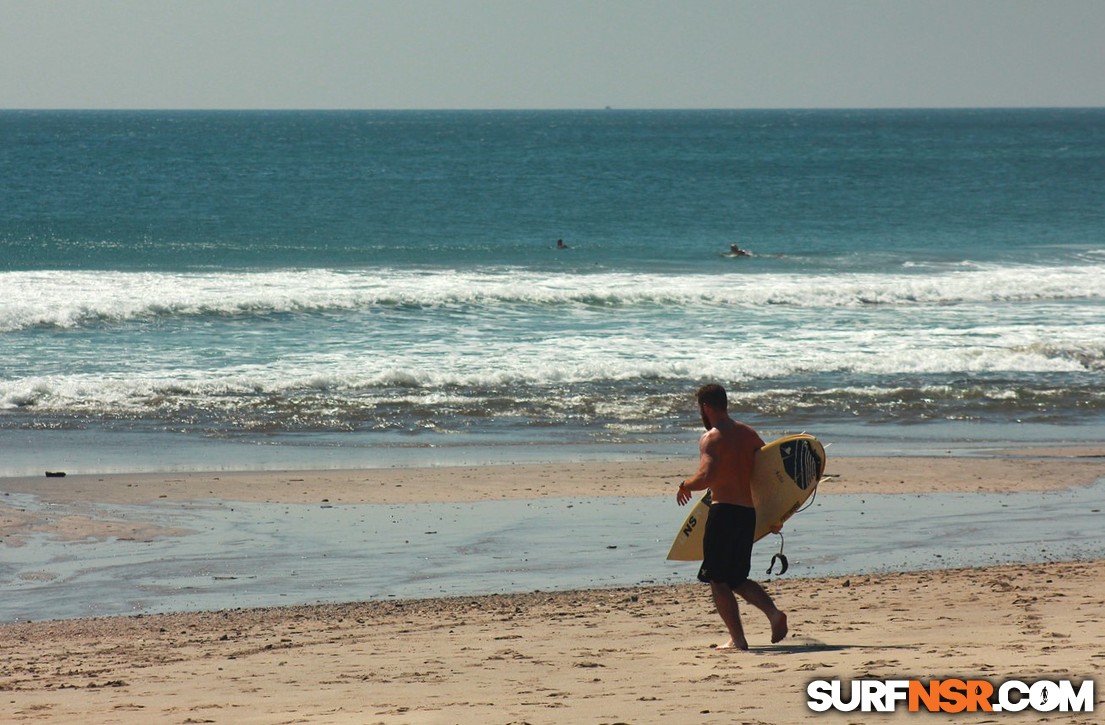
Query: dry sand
column 639, row 655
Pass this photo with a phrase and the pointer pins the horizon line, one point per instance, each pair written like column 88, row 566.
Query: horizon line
column 549, row 109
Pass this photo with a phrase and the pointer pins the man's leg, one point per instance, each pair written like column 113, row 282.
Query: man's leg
column 755, row 595
column 729, row 610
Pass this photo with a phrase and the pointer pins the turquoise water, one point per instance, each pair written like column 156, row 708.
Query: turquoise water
column 389, row 281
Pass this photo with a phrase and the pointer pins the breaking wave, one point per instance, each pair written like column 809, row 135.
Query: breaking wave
column 78, row 299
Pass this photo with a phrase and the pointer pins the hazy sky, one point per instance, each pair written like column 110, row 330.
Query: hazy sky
column 550, row 53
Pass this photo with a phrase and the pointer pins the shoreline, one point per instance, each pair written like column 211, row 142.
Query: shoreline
column 102, row 451
column 1024, row 469
column 642, row 654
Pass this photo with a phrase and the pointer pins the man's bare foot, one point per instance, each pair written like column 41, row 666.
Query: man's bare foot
column 733, row 644
column 778, row 626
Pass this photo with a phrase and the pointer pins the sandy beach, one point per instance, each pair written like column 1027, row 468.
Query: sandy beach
column 635, row 655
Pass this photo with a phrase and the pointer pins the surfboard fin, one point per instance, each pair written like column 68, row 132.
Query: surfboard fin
column 781, row 558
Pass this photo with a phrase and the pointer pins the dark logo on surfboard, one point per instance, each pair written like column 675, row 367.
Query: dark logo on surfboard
column 801, row 463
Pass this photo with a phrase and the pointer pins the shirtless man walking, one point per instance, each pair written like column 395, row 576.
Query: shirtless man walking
column 726, row 454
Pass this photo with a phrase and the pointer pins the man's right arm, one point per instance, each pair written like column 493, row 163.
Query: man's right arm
column 707, row 463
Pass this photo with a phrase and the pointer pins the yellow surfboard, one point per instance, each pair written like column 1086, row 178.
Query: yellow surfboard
column 785, row 474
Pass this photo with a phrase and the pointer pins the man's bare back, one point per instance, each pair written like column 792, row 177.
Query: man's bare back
column 727, row 452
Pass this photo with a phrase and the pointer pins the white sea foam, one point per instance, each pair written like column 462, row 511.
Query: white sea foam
column 75, row 299
column 490, row 365
column 265, row 348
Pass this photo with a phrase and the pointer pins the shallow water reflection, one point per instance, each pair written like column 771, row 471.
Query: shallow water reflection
column 250, row 555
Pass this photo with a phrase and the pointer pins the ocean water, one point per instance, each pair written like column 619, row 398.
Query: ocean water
column 389, row 282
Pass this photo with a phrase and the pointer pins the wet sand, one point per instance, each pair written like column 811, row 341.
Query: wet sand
column 1038, row 470
column 640, row 654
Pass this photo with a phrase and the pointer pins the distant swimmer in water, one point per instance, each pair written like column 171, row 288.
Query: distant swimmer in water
column 560, row 244
column 735, row 251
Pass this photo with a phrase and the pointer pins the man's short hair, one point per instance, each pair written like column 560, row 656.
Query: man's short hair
column 714, row 396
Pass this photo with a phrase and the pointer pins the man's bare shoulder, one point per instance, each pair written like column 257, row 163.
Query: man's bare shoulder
column 747, row 433
column 709, row 438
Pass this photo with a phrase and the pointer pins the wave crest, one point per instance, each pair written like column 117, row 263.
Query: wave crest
column 78, row 299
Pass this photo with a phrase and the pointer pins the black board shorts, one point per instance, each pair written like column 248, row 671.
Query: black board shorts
column 727, row 544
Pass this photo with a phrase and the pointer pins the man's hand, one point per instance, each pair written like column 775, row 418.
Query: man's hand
column 682, row 495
